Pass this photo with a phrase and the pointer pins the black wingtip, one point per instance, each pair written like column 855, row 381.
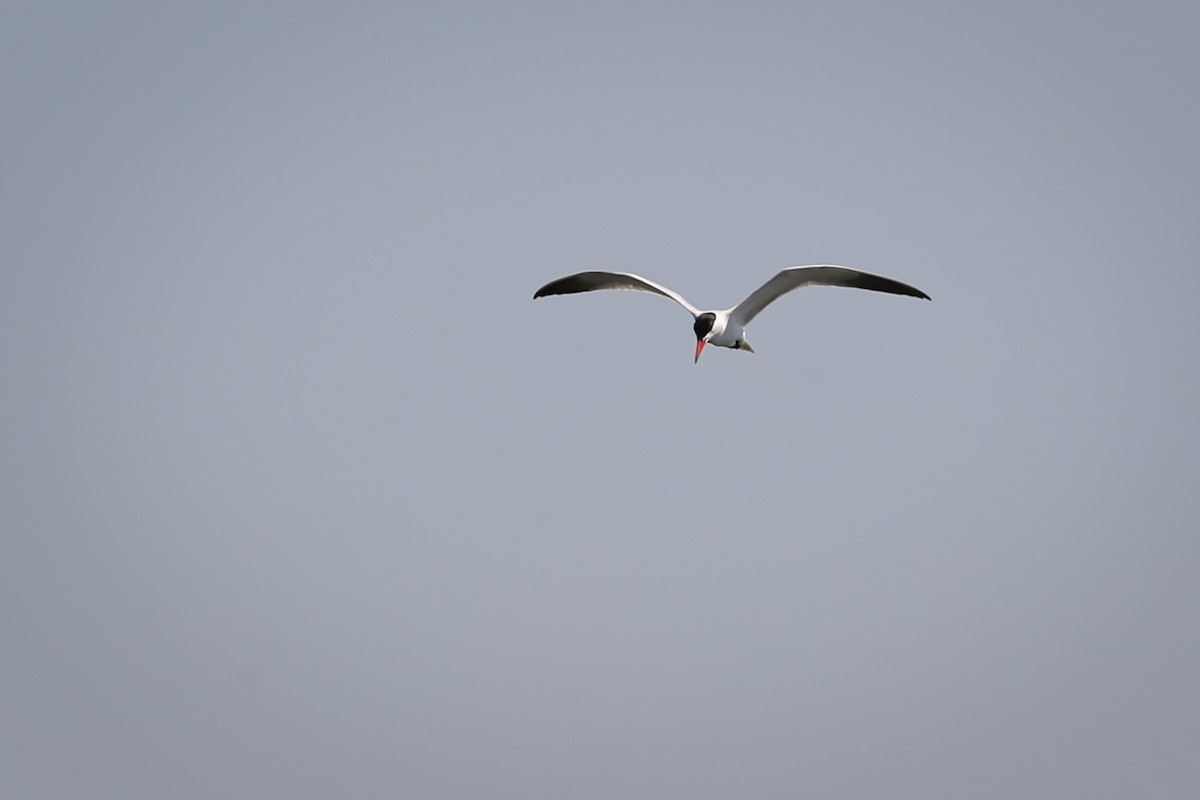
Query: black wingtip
column 911, row 291
column 573, row 284
column 553, row 287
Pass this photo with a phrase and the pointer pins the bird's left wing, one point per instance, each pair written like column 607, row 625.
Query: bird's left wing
column 816, row 275
column 594, row 281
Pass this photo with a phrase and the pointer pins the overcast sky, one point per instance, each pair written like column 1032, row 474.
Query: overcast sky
column 302, row 495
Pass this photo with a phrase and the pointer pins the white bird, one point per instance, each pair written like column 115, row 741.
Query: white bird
column 727, row 328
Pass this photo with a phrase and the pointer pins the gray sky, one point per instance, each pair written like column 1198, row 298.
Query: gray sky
column 303, row 496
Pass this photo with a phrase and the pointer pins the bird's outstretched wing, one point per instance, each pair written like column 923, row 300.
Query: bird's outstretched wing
column 816, row 275
column 594, row 281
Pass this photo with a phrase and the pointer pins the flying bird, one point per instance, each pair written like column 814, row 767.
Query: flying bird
column 727, row 328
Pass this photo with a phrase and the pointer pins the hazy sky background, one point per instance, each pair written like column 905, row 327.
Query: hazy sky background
column 303, row 496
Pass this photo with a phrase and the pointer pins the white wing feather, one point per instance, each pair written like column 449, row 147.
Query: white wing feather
column 595, row 281
column 815, row 275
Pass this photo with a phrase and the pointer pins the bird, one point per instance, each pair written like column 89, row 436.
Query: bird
column 727, row 327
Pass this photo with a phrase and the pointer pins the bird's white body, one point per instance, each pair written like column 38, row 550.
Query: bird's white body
column 726, row 332
column 727, row 328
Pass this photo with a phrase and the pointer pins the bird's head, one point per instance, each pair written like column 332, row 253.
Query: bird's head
column 704, row 330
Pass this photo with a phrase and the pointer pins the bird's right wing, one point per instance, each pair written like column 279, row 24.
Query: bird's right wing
column 594, row 281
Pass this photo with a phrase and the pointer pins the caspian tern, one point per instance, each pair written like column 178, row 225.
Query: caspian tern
column 728, row 328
